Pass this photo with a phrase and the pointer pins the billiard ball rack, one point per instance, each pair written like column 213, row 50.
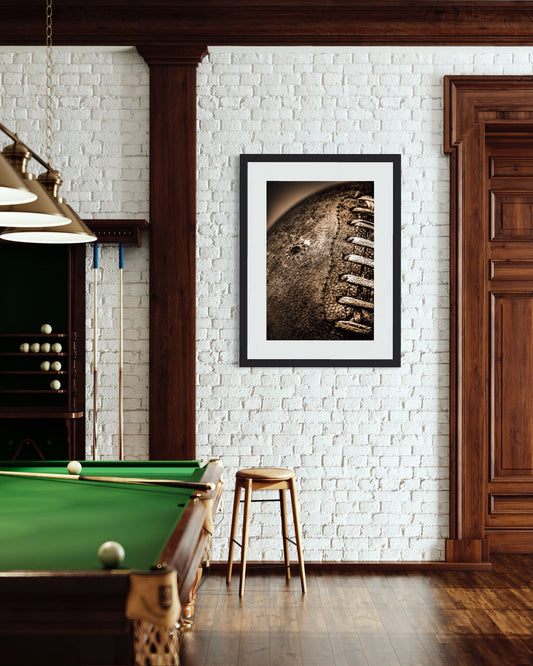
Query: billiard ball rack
column 10, row 349
column 24, row 385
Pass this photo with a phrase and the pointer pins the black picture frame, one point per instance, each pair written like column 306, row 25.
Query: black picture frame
column 269, row 184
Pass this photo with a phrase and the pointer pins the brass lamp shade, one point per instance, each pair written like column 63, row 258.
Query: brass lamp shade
column 42, row 211
column 12, row 187
column 74, row 232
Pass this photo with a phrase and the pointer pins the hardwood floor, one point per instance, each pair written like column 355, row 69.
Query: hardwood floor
column 458, row 618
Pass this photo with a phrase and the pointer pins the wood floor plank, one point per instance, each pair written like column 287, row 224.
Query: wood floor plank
column 344, row 638
column 440, row 653
column 368, row 619
column 283, row 624
column 223, row 646
column 409, row 650
column 254, row 637
column 315, row 642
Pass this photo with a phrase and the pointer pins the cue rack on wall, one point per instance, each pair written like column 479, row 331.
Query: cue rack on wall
column 42, row 409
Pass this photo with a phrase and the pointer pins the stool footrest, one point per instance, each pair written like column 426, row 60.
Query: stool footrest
column 263, row 500
column 260, row 567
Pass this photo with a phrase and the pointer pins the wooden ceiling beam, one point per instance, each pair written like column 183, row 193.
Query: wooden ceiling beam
column 270, row 22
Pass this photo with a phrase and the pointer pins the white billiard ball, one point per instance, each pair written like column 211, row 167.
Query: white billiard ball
column 74, row 467
column 111, row 554
column 35, row 347
column 56, row 366
column 24, row 347
column 45, row 365
column 46, row 328
column 45, row 347
column 55, row 384
column 56, row 347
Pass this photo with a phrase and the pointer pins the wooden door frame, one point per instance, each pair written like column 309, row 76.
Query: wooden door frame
column 467, row 101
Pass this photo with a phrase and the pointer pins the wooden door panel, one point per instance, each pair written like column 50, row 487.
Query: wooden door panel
column 511, row 269
column 510, row 504
column 511, row 510
column 511, row 166
column 512, row 386
column 512, row 215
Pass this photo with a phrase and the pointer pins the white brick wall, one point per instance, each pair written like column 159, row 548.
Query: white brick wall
column 370, row 446
column 100, row 146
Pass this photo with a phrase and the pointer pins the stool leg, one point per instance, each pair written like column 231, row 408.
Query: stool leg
column 246, row 514
column 285, row 533
column 296, row 517
column 235, row 518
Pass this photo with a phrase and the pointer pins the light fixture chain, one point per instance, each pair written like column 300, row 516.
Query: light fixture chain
column 48, row 81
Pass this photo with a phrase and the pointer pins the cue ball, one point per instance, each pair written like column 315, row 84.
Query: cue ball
column 56, row 347
column 74, row 467
column 35, row 347
column 56, row 366
column 55, row 384
column 45, row 365
column 46, row 328
column 111, row 554
column 24, row 347
column 45, row 347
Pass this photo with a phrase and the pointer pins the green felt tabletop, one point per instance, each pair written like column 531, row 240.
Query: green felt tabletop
column 51, row 524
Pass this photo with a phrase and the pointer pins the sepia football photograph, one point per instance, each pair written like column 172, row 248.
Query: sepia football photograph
column 320, row 260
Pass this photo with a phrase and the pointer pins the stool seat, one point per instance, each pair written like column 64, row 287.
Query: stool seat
column 265, row 478
column 266, row 474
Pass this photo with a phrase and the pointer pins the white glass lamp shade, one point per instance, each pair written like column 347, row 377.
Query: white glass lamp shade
column 74, row 232
column 12, row 187
column 43, row 211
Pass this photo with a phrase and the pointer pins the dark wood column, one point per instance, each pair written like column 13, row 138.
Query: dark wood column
column 172, row 249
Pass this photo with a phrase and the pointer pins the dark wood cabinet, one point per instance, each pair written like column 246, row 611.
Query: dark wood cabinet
column 42, row 284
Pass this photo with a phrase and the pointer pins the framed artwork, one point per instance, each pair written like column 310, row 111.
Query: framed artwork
column 320, row 260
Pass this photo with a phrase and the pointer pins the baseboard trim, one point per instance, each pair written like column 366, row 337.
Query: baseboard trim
column 357, row 567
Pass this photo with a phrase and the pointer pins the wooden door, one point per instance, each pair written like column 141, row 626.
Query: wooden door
column 509, row 249
column 489, row 134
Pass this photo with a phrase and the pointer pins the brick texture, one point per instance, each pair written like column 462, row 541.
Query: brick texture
column 100, row 146
column 370, row 447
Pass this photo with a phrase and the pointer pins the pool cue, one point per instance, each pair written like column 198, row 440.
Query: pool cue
column 186, row 485
column 120, row 357
column 95, row 362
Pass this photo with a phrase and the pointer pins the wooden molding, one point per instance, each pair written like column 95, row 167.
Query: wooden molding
column 354, row 567
column 467, row 551
column 273, row 22
column 467, row 97
column 127, row 232
column 186, row 54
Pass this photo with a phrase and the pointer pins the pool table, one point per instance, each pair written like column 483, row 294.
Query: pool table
column 57, row 604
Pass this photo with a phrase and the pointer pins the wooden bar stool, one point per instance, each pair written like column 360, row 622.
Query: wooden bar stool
column 267, row 478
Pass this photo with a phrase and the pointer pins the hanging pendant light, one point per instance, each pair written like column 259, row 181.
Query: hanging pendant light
column 12, row 188
column 48, row 219
column 43, row 211
column 75, row 231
